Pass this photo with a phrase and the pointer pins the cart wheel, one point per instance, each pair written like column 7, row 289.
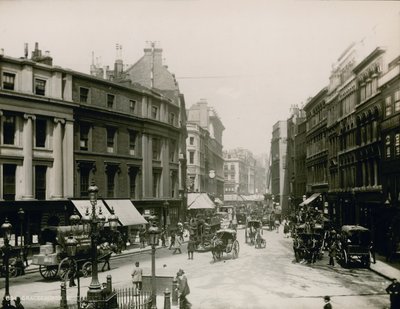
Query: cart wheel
column 87, row 269
column 48, row 272
column 64, row 269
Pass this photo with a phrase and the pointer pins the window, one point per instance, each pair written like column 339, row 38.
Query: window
column 132, row 106
column 156, row 148
column 387, row 143
column 154, row 112
column 171, row 119
column 191, row 140
column 397, row 145
column 172, row 146
column 84, row 137
column 40, row 86
column 388, row 106
column 110, row 183
column 110, row 100
column 9, row 130
column 9, row 182
column 397, row 101
column 84, row 181
column 110, row 139
column 132, row 182
column 191, row 157
column 173, row 183
column 8, row 81
column 40, row 182
column 41, row 132
column 83, row 95
column 132, row 142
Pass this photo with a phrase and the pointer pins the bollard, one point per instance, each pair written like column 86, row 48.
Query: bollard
column 167, row 299
column 63, row 301
column 175, row 292
column 109, row 283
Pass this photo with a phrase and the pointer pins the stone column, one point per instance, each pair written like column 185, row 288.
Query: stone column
column 28, row 156
column 58, row 158
column 68, row 159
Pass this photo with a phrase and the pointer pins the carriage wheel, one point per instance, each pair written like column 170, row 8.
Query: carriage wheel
column 48, row 272
column 235, row 249
column 64, row 269
column 87, row 269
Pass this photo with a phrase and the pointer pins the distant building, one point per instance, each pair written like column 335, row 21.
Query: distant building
column 204, row 150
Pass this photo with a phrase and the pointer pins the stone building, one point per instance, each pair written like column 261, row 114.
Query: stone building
column 204, row 142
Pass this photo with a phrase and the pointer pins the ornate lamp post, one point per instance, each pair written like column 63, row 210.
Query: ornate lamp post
column 153, row 241
column 6, row 229
column 94, row 292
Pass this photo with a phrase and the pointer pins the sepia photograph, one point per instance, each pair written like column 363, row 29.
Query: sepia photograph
column 199, row 154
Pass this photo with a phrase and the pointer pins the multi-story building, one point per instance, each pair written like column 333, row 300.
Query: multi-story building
column 316, row 149
column 299, row 172
column 205, row 133
column 239, row 172
column 62, row 129
column 36, row 143
column 260, row 174
column 389, row 210
column 151, row 72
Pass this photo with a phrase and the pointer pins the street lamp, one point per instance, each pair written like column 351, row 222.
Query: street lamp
column 153, row 241
column 94, row 292
column 6, row 229
column 21, row 215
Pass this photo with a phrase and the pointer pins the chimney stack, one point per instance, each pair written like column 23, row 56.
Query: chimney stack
column 26, row 53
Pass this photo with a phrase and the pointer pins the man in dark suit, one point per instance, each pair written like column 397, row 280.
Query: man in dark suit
column 394, row 291
column 184, row 290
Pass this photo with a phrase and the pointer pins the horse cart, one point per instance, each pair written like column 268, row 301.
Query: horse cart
column 225, row 241
column 355, row 244
column 53, row 260
column 253, row 228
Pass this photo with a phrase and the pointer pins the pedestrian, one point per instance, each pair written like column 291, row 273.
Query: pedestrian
column 190, row 247
column 18, row 304
column 177, row 245
column 72, row 273
column 172, row 242
column 137, row 274
column 183, row 290
column 162, row 236
column 372, row 250
column 142, row 237
column 394, row 291
column 25, row 254
column 327, row 301
column 286, row 229
column 332, row 253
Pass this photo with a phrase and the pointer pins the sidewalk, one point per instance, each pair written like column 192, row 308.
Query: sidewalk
column 387, row 270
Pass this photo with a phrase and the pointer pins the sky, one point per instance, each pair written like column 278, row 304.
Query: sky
column 251, row 59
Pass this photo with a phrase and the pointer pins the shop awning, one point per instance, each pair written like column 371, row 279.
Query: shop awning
column 218, row 201
column 310, row 199
column 82, row 205
column 126, row 212
column 199, row 201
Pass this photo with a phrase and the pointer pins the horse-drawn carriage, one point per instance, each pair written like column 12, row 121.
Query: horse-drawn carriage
column 355, row 244
column 253, row 230
column 53, row 260
column 308, row 246
column 224, row 241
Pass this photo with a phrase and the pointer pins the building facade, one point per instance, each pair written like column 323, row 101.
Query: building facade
column 205, row 130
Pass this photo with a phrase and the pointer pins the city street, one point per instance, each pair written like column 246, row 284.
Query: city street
column 259, row 278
